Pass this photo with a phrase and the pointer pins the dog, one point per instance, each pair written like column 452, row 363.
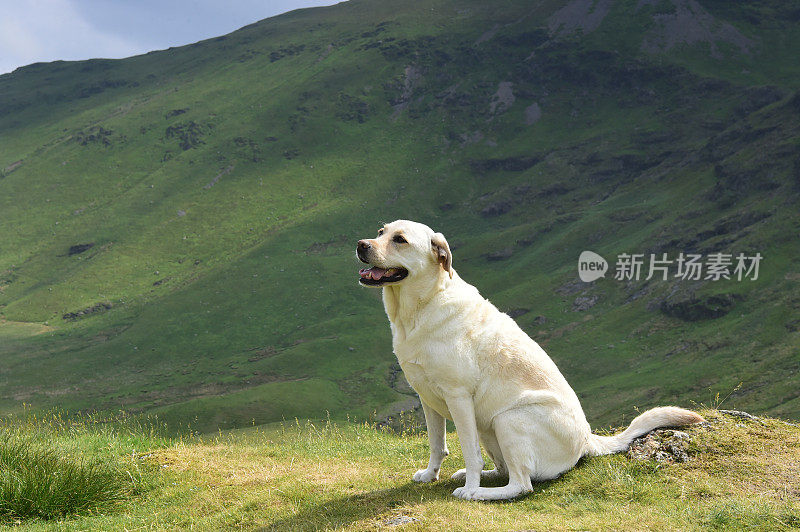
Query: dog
column 472, row 364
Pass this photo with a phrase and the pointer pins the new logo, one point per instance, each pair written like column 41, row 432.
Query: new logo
column 591, row 266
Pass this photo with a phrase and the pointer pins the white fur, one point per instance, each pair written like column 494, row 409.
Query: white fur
column 472, row 364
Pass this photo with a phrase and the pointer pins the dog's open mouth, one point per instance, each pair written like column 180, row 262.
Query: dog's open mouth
column 377, row 276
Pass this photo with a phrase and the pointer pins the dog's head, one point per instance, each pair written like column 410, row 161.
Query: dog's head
column 404, row 252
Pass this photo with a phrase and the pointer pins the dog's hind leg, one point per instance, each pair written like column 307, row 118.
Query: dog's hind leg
column 537, row 443
column 512, row 431
column 489, row 442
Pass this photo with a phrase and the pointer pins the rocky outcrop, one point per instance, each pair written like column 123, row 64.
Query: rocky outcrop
column 88, row 311
column 698, row 309
column 661, row 445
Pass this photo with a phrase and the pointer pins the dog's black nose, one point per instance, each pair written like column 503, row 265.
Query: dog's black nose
column 362, row 250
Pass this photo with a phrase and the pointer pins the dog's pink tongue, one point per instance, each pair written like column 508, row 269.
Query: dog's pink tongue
column 373, row 273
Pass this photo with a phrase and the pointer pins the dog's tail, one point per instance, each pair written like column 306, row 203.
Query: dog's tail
column 663, row 416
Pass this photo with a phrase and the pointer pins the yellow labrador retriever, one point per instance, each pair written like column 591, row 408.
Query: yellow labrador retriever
column 472, row 364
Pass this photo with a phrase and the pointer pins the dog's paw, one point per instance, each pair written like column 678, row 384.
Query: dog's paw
column 478, row 493
column 468, row 494
column 461, row 474
column 490, row 494
column 487, row 474
column 426, row 475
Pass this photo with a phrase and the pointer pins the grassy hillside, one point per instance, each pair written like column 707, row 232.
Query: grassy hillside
column 177, row 228
column 352, row 476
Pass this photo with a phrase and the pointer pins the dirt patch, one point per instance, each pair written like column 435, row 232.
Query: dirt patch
column 25, row 327
column 399, row 520
column 10, row 168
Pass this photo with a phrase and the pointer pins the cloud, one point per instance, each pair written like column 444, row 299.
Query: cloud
column 47, row 30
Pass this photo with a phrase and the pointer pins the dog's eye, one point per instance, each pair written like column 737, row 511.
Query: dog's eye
column 399, row 239
column 380, row 232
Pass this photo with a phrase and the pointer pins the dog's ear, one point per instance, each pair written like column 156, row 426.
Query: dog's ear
column 442, row 251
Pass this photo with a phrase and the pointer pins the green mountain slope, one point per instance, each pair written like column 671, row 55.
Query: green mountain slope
column 177, row 228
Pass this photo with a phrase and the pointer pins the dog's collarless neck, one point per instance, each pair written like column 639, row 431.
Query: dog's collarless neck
column 403, row 307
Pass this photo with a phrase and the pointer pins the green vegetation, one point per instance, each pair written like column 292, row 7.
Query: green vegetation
column 52, row 467
column 177, row 229
column 35, row 482
column 741, row 475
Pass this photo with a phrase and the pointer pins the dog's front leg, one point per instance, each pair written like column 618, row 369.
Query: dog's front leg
column 463, row 412
column 435, row 424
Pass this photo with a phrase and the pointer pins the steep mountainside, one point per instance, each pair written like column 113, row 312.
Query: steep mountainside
column 177, row 228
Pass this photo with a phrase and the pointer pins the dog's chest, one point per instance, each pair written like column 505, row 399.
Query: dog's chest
column 428, row 390
column 437, row 367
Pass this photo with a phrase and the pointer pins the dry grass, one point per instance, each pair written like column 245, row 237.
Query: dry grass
column 22, row 329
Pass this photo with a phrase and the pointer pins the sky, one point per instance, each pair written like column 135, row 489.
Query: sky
column 47, row 30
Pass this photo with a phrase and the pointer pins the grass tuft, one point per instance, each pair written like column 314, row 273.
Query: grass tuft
column 57, row 466
column 39, row 482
